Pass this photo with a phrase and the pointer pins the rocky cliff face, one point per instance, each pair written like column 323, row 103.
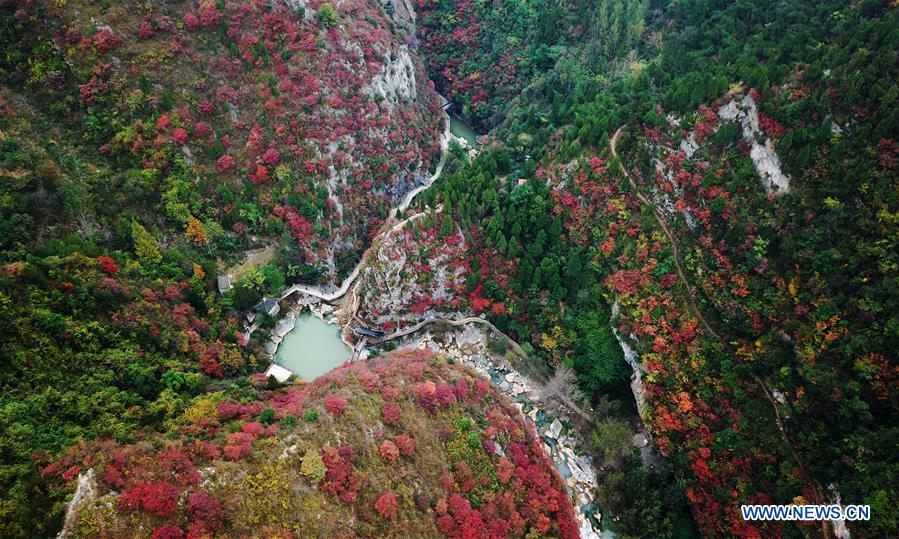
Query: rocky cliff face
column 322, row 108
column 403, row 13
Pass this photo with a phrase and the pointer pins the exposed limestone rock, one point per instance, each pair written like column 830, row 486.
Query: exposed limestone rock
column 396, row 80
column 85, row 493
column 640, row 440
column 651, row 459
column 403, row 13
column 586, row 531
column 779, row 396
column 188, row 155
column 300, row 6
column 763, row 155
column 286, row 324
column 689, row 145
column 839, row 526
column 470, row 335
column 555, row 429
column 661, row 198
column 280, row 373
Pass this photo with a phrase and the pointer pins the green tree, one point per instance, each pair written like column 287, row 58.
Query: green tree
column 446, row 227
column 328, row 15
column 145, row 245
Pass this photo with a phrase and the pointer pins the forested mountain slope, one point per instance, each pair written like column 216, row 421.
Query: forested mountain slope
column 701, row 196
column 746, row 232
column 143, row 148
column 401, row 445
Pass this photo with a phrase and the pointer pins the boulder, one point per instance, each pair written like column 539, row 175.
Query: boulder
column 555, row 428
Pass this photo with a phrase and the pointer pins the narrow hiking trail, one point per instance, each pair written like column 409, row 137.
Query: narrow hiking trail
column 387, row 227
column 613, row 146
column 691, row 298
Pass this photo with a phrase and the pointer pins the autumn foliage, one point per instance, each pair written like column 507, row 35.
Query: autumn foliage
column 258, row 468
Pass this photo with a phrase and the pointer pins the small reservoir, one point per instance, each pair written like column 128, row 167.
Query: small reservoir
column 312, row 348
column 462, row 129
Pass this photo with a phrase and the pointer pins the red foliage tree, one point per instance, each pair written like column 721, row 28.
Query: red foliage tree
column 224, row 164
column 341, row 479
column 146, row 30
column 239, row 445
column 179, row 136
column 405, row 444
column 202, row 506
column 108, row 265
column 191, row 21
column 104, row 41
column 387, row 505
column 335, row 405
column 254, row 429
column 209, row 15
column 271, row 157
column 390, row 413
column 389, row 451
column 168, row 531
column 156, row 497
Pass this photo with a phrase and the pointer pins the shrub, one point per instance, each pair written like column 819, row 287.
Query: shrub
column 335, row 405
column 390, row 413
column 254, row 429
column 156, row 497
column 386, row 506
column 168, row 531
column 224, row 164
column 108, row 265
column 327, row 15
column 342, row 478
column 405, row 444
column 267, row 416
column 313, row 467
column 203, row 506
column 389, row 451
column 271, row 157
column 179, row 136
column 239, row 445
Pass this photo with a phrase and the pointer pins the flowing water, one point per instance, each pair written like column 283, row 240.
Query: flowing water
column 312, row 348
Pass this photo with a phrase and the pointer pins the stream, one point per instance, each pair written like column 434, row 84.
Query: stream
column 310, row 346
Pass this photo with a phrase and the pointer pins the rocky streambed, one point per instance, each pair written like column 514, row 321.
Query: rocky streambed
column 468, row 346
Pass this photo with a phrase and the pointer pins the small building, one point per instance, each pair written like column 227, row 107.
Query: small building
column 224, row 283
column 280, row 373
column 522, row 181
column 269, row 306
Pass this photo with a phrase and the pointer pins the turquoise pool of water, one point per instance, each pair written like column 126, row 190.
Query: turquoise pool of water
column 312, row 348
column 460, row 128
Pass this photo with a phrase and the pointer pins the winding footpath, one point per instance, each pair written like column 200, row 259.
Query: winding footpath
column 613, row 146
column 691, row 297
column 386, row 228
